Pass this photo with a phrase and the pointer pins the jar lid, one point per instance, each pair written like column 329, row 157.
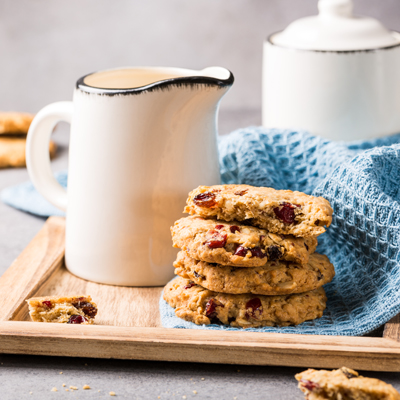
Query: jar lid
column 336, row 29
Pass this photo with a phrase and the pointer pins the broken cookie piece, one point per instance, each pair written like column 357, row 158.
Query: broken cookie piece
column 343, row 384
column 67, row 309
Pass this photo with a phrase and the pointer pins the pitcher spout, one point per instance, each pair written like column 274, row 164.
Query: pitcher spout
column 217, row 76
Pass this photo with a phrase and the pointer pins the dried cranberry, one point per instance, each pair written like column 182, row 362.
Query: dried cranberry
column 219, row 227
column 189, row 285
column 309, row 385
column 206, row 200
column 234, row 228
column 274, row 253
column 217, row 240
column 262, row 237
column 196, row 274
column 47, row 303
column 257, row 252
column 285, row 212
column 252, row 306
column 241, row 251
column 76, row 319
column 88, row 308
column 211, row 305
column 241, row 192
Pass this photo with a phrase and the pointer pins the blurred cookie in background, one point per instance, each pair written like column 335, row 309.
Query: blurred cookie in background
column 15, row 123
column 14, row 128
column 12, row 151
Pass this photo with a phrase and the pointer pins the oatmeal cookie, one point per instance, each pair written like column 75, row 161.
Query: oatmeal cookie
column 275, row 278
column 278, row 211
column 65, row 309
column 15, row 122
column 202, row 306
column 12, row 151
column 237, row 244
column 343, row 383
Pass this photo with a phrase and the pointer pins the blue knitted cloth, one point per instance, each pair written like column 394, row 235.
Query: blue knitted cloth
column 362, row 182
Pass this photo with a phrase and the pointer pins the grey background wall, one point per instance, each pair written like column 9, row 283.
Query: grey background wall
column 45, row 45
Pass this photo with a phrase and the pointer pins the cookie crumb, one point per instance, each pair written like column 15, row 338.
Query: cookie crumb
column 238, row 370
column 86, row 387
column 183, row 397
column 67, row 390
column 194, row 391
column 61, row 373
column 54, row 389
column 159, row 397
column 202, row 379
column 30, row 392
column 73, row 388
column 112, row 394
column 85, row 365
column 64, row 385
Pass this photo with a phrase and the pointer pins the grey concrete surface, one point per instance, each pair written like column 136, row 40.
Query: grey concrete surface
column 137, row 380
column 46, row 45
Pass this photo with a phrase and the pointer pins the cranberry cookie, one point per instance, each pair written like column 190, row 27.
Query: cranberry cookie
column 202, row 306
column 278, row 211
column 275, row 278
column 236, row 244
column 70, row 310
column 343, row 383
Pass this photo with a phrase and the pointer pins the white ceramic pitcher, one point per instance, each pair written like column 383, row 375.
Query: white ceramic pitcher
column 141, row 139
column 336, row 75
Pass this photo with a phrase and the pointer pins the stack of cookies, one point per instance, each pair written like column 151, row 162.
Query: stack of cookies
column 248, row 257
column 14, row 127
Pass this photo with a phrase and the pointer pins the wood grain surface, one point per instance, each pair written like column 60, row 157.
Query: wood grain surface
column 128, row 324
column 392, row 329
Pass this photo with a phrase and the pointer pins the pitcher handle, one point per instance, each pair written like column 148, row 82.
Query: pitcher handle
column 37, row 151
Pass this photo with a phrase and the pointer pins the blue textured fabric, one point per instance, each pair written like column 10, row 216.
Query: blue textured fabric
column 361, row 180
column 25, row 197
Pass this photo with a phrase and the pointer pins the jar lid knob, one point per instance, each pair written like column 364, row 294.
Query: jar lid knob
column 335, row 8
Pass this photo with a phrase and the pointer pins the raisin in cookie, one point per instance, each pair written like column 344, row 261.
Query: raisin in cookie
column 236, row 244
column 343, row 384
column 65, row 309
column 202, row 306
column 15, row 122
column 275, row 278
column 278, row 211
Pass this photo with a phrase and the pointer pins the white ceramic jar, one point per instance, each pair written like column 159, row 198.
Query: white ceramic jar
column 335, row 75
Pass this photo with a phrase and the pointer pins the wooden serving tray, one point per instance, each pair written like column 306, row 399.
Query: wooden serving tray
column 128, row 324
